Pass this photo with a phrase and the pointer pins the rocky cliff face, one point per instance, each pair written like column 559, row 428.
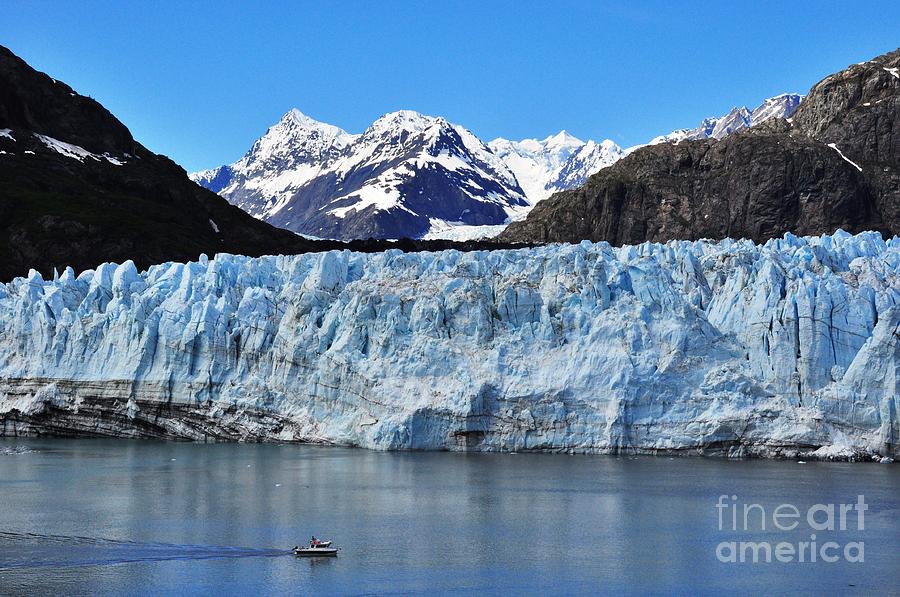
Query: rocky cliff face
column 835, row 165
column 857, row 113
column 790, row 348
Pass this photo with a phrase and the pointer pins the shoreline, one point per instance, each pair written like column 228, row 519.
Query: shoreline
column 29, row 430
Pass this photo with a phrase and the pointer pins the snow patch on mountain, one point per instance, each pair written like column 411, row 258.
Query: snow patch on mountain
column 587, row 160
column 459, row 231
column 535, row 162
column 74, row 151
column 379, row 194
column 845, row 158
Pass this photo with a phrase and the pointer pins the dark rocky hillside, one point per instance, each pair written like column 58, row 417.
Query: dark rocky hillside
column 835, row 165
column 59, row 207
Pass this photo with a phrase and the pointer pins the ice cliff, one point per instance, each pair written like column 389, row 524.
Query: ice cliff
column 783, row 349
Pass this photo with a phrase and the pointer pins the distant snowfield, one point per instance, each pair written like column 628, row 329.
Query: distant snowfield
column 441, row 230
column 556, row 163
column 785, row 349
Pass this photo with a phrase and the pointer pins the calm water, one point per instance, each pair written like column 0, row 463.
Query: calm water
column 127, row 517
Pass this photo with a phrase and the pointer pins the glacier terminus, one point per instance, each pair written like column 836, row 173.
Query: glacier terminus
column 786, row 349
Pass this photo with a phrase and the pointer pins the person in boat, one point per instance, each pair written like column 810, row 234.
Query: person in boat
column 313, row 542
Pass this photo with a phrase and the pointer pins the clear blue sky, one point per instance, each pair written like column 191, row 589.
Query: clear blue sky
column 200, row 82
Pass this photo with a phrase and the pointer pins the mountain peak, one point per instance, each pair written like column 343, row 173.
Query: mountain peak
column 297, row 130
column 782, row 96
column 780, row 106
column 407, row 173
column 562, row 139
column 295, row 120
column 555, row 163
column 295, row 115
column 406, row 120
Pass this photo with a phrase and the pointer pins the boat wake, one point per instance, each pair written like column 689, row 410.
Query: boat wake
column 32, row 550
column 16, row 450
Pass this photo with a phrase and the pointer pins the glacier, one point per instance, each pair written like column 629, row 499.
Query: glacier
column 787, row 349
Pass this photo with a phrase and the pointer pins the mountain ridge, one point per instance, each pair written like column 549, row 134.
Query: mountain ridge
column 405, row 174
column 836, row 164
column 717, row 127
column 285, row 174
column 554, row 163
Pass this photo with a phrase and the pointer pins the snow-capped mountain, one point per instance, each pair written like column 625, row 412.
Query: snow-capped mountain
column 405, row 175
column 780, row 106
column 291, row 153
column 554, row 164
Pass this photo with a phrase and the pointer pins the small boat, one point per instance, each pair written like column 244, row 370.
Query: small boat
column 322, row 549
